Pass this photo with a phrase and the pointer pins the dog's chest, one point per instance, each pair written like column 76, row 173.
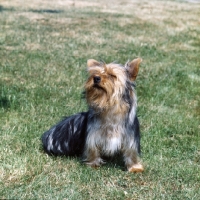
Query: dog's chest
column 111, row 145
column 108, row 137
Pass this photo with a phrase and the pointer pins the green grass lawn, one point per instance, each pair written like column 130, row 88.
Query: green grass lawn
column 44, row 47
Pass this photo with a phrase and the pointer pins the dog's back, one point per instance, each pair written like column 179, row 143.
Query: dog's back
column 67, row 137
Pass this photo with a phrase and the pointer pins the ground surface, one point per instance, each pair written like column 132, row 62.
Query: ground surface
column 44, row 47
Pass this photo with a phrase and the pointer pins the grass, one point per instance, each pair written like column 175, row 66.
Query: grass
column 43, row 52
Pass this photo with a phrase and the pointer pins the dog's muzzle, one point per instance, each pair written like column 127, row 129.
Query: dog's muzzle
column 97, row 79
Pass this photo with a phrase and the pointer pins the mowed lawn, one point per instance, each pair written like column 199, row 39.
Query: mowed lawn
column 44, row 47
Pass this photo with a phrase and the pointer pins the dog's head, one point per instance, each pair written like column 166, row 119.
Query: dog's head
column 107, row 83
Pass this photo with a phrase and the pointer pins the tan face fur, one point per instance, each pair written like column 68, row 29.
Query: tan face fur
column 107, row 82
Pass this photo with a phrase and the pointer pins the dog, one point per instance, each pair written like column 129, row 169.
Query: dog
column 110, row 126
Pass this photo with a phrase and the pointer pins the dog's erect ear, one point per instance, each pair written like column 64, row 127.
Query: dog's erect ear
column 93, row 63
column 133, row 68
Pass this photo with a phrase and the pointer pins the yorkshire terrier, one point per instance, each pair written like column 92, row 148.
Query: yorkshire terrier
column 110, row 125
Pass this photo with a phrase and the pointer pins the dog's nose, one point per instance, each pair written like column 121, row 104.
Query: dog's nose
column 97, row 79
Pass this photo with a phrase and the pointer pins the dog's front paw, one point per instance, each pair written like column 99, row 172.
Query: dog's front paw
column 136, row 168
column 95, row 163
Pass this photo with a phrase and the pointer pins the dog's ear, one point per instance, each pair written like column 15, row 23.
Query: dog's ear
column 93, row 63
column 133, row 68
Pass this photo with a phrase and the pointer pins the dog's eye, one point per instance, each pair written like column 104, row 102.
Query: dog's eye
column 112, row 76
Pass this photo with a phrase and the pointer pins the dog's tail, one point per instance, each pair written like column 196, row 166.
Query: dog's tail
column 67, row 137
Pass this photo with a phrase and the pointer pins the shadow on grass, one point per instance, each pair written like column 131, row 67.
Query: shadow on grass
column 110, row 162
column 8, row 97
column 6, row 9
column 115, row 162
column 4, row 103
column 46, row 11
column 32, row 10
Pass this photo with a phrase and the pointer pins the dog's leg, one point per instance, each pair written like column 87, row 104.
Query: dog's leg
column 92, row 157
column 131, row 161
